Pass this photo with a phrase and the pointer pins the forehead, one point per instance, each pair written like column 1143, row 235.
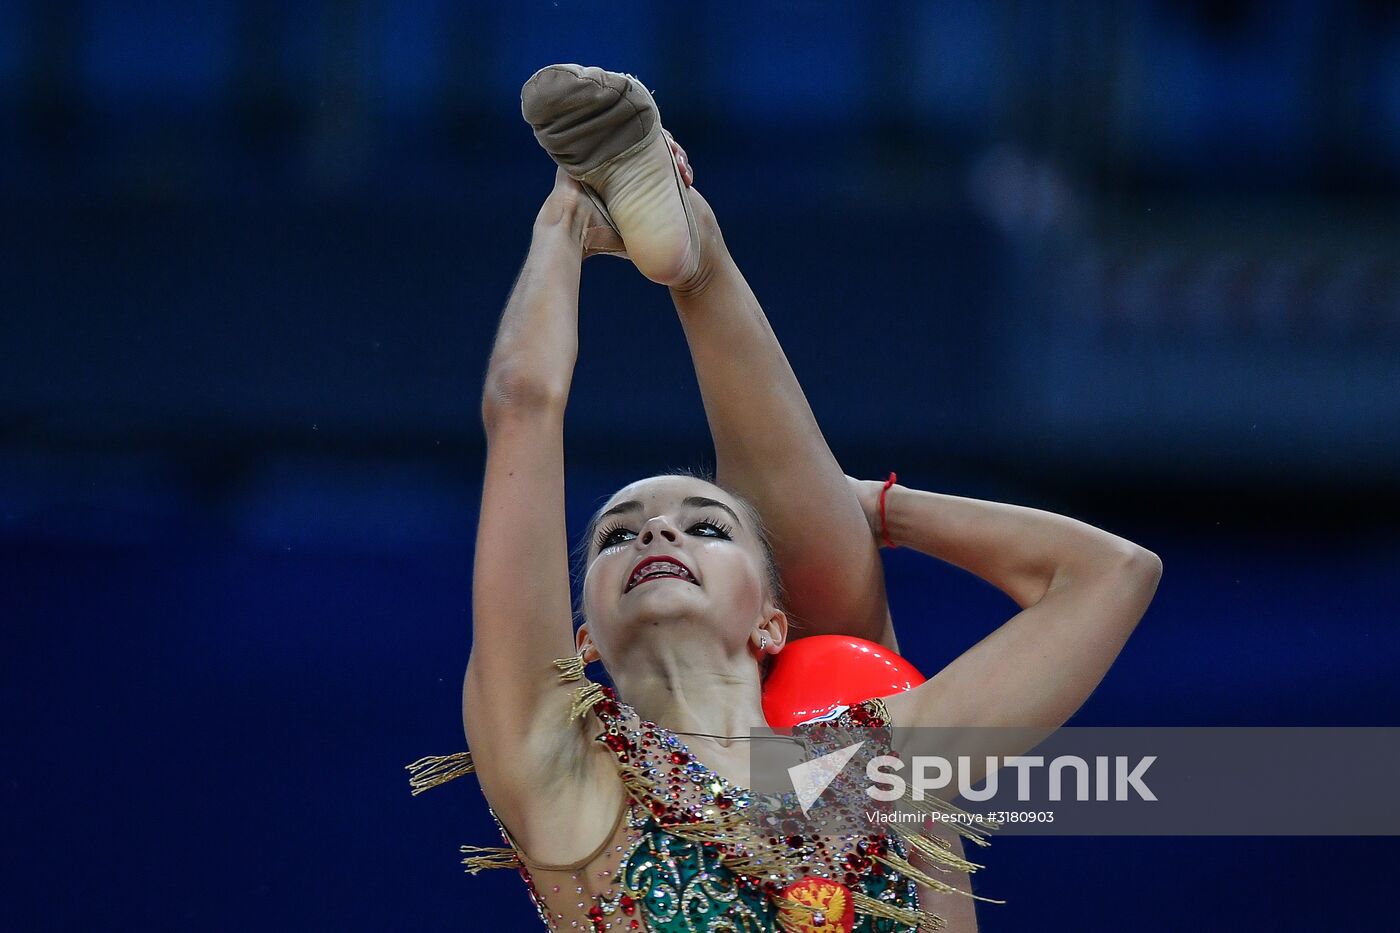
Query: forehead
column 662, row 491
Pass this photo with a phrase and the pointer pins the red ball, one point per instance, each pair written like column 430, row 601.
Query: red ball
column 812, row 676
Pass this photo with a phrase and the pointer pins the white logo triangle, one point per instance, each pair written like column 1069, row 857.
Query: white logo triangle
column 810, row 778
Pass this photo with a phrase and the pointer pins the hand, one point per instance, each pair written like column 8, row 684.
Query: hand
column 867, row 492
column 682, row 160
column 568, row 201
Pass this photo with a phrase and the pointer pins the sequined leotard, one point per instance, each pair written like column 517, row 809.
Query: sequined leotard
column 686, row 855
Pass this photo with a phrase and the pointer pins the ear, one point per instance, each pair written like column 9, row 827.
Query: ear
column 775, row 627
column 583, row 643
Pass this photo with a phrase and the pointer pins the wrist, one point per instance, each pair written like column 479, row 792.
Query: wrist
column 884, row 514
column 562, row 214
column 894, row 514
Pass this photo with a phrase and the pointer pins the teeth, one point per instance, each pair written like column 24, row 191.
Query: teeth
column 656, row 568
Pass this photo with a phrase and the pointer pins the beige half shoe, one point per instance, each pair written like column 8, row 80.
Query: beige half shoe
column 604, row 130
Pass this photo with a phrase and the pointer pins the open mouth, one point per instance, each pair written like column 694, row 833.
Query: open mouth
column 659, row 568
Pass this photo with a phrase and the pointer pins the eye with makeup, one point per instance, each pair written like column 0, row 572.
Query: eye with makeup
column 613, row 535
column 714, row 529
column 618, row 533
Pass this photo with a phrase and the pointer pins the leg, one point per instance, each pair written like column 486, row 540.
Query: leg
column 603, row 128
column 769, row 449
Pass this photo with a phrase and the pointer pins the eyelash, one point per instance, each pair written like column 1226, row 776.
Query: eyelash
column 725, row 530
column 607, row 533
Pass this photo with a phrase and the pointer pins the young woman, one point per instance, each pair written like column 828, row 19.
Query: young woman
column 625, row 810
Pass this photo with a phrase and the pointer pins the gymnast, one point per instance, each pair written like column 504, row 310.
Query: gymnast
column 619, row 806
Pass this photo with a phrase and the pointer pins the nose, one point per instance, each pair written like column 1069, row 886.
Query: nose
column 659, row 525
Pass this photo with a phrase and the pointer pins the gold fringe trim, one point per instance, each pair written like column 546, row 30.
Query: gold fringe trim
column 787, row 921
column 570, row 669
column 880, row 709
column 908, row 870
column 863, row 904
column 429, row 772
column 934, row 849
column 482, row 858
column 760, row 860
column 976, row 832
column 585, row 695
column 920, row 920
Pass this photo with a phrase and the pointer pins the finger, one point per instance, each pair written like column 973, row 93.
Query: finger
column 675, row 146
column 683, row 164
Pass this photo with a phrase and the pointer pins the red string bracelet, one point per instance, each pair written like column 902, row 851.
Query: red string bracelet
column 884, row 528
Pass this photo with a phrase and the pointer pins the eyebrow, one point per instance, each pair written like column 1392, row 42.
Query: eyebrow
column 632, row 505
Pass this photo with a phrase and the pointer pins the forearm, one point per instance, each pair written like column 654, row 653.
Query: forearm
column 1022, row 551
column 532, row 361
column 521, row 625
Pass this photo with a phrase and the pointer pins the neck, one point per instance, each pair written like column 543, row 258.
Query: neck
column 704, row 693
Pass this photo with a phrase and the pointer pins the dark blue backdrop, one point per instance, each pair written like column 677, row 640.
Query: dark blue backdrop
column 1131, row 262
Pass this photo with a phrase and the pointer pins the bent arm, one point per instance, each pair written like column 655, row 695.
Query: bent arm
column 1020, row 550
column 1082, row 591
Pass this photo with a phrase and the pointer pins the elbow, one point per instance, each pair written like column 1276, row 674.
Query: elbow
column 511, row 391
column 472, row 687
column 1142, row 569
column 1132, row 560
column 1146, row 564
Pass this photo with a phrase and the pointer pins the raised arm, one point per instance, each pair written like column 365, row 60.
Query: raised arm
column 1081, row 590
column 514, row 706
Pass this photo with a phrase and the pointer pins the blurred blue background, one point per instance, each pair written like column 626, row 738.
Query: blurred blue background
column 1132, row 262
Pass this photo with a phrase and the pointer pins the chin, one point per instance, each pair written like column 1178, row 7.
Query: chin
column 664, row 609
column 669, row 608
column 677, row 591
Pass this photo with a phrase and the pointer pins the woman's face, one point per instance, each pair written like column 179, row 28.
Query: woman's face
column 678, row 553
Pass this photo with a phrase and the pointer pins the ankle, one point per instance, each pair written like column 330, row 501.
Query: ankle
column 710, row 244
column 698, row 282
